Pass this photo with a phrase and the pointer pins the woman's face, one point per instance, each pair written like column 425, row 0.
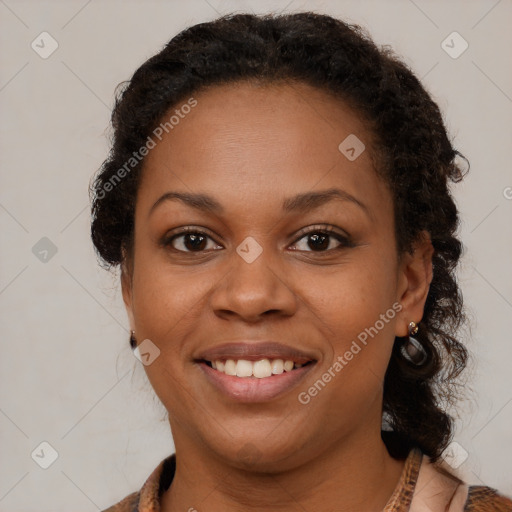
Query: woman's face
column 258, row 266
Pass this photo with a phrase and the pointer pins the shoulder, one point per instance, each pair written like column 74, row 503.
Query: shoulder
column 486, row 499
column 147, row 498
column 128, row 504
column 437, row 488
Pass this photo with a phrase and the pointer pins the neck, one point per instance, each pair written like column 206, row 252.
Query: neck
column 356, row 474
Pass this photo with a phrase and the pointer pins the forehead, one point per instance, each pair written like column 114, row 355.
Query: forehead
column 261, row 141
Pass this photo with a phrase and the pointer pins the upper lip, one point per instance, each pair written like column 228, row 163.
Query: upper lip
column 254, row 351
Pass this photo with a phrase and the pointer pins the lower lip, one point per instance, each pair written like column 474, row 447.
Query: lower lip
column 252, row 389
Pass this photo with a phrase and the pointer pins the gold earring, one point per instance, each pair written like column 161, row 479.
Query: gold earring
column 412, row 349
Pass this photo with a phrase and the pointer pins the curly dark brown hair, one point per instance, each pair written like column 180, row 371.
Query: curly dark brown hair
column 413, row 154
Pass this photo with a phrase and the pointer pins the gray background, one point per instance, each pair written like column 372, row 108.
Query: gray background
column 68, row 376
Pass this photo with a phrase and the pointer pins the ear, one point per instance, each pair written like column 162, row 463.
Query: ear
column 127, row 290
column 414, row 278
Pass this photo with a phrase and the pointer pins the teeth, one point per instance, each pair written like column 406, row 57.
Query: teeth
column 243, row 368
column 259, row 369
column 277, row 366
column 230, row 367
column 288, row 366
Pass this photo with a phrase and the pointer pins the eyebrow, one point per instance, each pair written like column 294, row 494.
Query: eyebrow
column 301, row 202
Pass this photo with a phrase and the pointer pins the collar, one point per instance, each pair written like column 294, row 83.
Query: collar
column 421, row 486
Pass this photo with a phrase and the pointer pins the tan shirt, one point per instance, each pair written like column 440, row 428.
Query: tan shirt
column 423, row 487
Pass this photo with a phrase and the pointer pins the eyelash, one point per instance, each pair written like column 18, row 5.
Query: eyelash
column 345, row 241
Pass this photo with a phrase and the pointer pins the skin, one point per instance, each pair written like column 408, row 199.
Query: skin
column 250, row 147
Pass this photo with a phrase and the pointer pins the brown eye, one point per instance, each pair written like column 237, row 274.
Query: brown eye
column 190, row 241
column 322, row 241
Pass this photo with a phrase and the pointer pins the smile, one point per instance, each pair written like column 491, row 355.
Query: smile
column 260, row 369
column 254, row 381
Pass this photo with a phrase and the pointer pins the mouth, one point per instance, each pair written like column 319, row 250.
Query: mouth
column 244, row 381
column 255, row 371
column 260, row 369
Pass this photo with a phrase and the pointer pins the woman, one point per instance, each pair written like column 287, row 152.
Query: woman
column 277, row 199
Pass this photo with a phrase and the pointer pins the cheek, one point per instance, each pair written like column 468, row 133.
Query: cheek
column 166, row 301
column 355, row 309
column 166, row 312
column 163, row 294
column 352, row 297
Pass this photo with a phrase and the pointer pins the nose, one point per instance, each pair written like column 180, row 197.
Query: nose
column 254, row 290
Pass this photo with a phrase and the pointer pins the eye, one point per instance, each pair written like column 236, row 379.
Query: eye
column 322, row 239
column 190, row 239
column 318, row 239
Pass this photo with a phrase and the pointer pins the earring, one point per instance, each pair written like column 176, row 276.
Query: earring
column 133, row 341
column 412, row 349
